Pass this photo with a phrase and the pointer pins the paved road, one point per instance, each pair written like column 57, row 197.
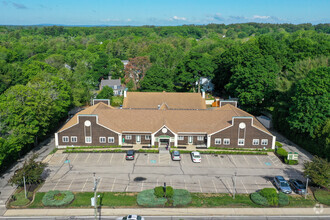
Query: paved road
column 215, row 174
column 6, row 190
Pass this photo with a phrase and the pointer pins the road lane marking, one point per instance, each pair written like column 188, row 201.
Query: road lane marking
column 82, row 189
column 216, row 191
column 200, row 186
column 113, row 184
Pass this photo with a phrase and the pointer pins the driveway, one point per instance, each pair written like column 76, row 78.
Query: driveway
column 215, row 174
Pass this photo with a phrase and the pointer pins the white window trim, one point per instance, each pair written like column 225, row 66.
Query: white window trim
column 111, row 140
column 190, row 138
column 138, row 140
column 255, row 142
column 147, row 137
column 240, row 144
column 72, row 137
column 217, row 141
column 200, row 138
column 65, row 139
column 264, row 141
column 88, row 138
column 128, row 137
column 104, row 140
column 225, row 140
column 180, row 138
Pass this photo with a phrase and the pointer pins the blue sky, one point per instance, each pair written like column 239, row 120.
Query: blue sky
column 162, row 12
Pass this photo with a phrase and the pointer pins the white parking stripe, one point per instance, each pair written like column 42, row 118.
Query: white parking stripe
column 142, row 186
column 216, row 191
column 75, row 158
column 208, row 162
column 56, row 184
column 70, row 184
column 185, row 186
column 111, row 158
column 200, row 186
column 244, row 186
column 87, row 157
column 99, row 158
column 232, row 159
column 259, row 160
column 82, row 189
column 246, row 160
column 113, row 184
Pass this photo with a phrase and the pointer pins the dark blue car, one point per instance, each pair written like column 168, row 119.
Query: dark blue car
column 282, row 184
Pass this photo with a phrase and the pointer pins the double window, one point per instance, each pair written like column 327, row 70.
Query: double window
column 65, row 139
column 264, row 141
column 103, row 140
column 226, row 141
column 240, row 141
column 128, row 137
column 74, row 139
column 255, row 142
column 88, row 139
column 217, row 141
column 200, row 138
column 181, row 138
column 111, row 140
column 147, row 137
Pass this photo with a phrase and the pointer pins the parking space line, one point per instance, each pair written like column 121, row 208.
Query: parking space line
column 123, row 159
column 82, row 189
column 99, row 158
column 257, row 184
column 185, row 186
column 200, row 186
column 216, row 191
column 70, row 184
column 158, row 158
column 56, row 184
column 74, row 158
column 100, row 183
column 87, row 157
column 244, row 186
column 228, row 186
column 232, row 159
column 111, row 158
column 157, row 182
column 208, row 162
column 148, row 159
column 258, row 160
column 113, row 184
column 63, row 158
column 142, row 186
column 246, row 160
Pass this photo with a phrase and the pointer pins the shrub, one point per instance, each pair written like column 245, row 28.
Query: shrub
column 283, row 199
column 259, row 199
column 271, row 195
column 278, row 144
column 159, row 191
column 57, row 198
column 290, row 162
column 169, row 192
column 181, row 197
column 148, row 198
column 282, row 152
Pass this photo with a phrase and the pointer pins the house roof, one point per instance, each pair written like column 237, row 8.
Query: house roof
column 151, row 120
column 110, row 82
column 151, row 100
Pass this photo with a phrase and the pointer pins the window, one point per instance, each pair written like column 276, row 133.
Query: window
column 147, row 137
column 74, row 139
column 190, row 139
column 200, row 138
column 103, row 140
column 240, row 141
column 255, row 142
column 180, row 138
column 88, row 140
column 115, row 92
column 138, row 138
column 111, row 140
column 226, row 141
column 264, row 141
column 115, row 86
column 65, row 139
column 217, row 141
column 128, row 137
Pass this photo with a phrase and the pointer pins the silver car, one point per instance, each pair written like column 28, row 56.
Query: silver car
column 176, row 155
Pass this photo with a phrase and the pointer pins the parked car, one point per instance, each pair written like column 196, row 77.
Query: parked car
column 133, row 217
column 176, row 155
column 282, row 184
column 130, row 155
column 196, row 157
column 297, row 186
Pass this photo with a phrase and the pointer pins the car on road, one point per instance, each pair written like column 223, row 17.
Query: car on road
column 130, row 155
column 133, row 217
column 297, row 186
column 176, row 155
column 282, row 185
column 196, row 157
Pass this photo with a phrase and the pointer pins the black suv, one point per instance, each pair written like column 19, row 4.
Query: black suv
column 130, row 155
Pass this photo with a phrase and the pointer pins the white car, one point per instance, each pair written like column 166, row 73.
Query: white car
column 196, row 157
column 133, row 217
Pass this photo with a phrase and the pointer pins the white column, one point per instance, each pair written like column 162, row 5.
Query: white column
column 273, row 142
column 120, row 139
column 152, row 139
column 175, row 140
column 56, row 140
column 208, row 144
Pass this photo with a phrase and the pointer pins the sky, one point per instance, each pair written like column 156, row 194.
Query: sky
column 162, row 12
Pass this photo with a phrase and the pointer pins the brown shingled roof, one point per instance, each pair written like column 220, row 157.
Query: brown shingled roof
column 150, row 120
column 151, row 100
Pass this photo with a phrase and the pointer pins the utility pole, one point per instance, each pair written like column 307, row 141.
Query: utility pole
column 96, row 182
column 235, row 183
column 24, row 185
column 306, row 187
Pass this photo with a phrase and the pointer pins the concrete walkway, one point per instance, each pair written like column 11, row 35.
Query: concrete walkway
column 317, row 211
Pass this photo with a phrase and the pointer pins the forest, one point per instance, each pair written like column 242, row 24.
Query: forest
column 281, row 69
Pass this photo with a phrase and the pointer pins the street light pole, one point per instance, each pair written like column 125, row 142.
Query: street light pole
column 96, row 182
column 306, row 187
column 24, row 185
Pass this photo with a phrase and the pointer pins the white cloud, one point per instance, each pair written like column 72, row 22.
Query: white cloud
column 129, row 20
column 260, row 17
column 176, row 18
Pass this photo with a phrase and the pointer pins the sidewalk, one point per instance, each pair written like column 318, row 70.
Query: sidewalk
column 173, row 211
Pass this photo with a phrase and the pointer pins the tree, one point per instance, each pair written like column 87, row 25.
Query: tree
column 136, row 69
column 318, row 170
column 101, row 68
column 116, row 68
column 310, row 105
column 106, row 93
column 32, row 171
column 157, row 79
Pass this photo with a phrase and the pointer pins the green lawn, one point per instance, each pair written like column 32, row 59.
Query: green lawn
column 20, row 199
column 322, row 196
column 117, row 100
column 300, row 201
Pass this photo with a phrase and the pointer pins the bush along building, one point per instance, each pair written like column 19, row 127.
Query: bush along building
column 165, row 122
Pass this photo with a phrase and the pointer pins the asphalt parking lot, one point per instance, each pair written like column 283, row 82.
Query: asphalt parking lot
column 215, row 174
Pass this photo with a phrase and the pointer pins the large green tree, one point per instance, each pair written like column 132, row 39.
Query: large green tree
column 158, row 79
column 106, row 93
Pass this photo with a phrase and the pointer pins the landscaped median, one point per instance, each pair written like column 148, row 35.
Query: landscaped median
column 222, row 152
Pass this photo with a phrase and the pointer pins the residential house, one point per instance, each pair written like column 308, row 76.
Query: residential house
column 115, row 84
